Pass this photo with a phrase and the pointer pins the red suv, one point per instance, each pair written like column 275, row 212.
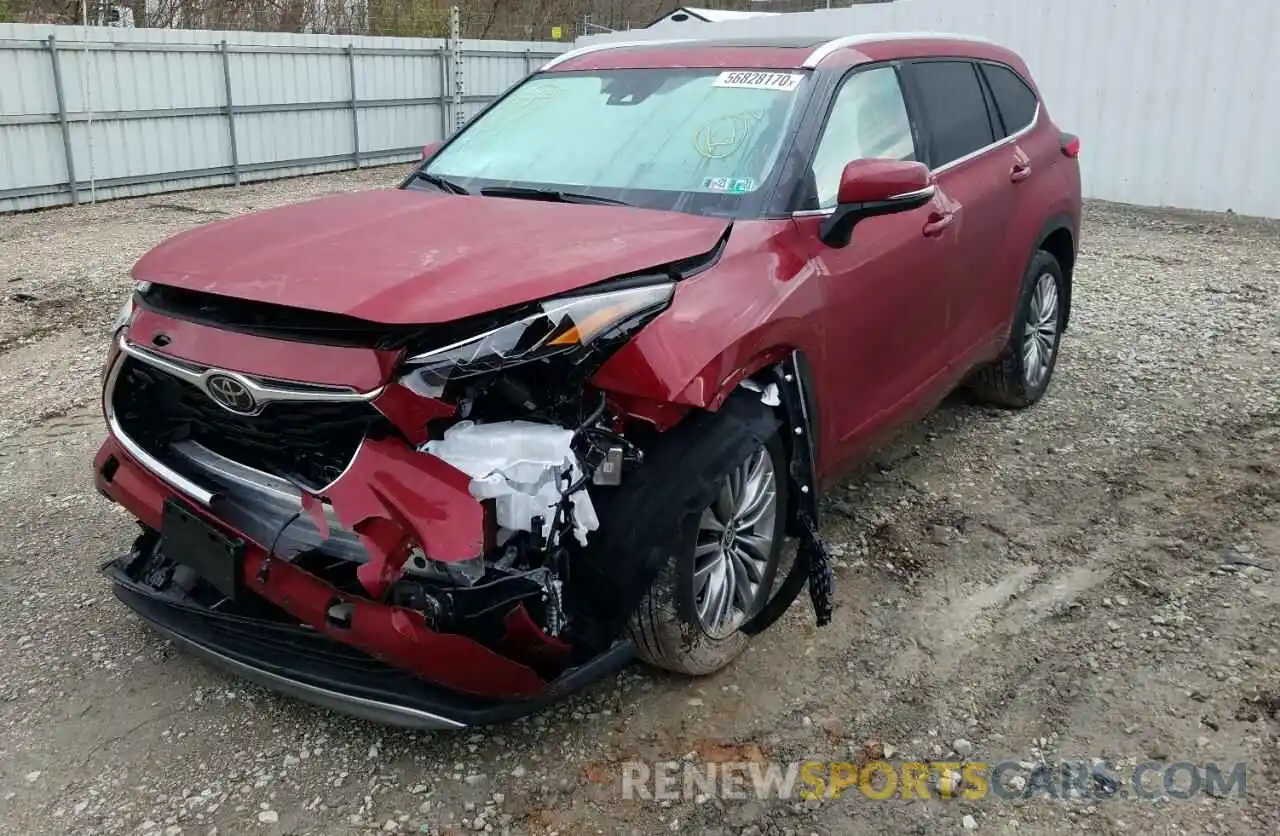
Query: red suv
column 439, row 454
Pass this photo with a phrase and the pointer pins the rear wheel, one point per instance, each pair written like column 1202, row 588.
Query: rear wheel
column 721, row 572
column 1020, row 375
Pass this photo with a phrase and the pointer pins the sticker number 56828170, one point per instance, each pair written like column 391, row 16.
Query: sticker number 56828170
column 785, row 82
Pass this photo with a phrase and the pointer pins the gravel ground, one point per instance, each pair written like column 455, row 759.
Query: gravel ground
column 1095, row 577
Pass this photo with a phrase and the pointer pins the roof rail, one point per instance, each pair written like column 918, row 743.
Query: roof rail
column 583, row 50
column 821, row 53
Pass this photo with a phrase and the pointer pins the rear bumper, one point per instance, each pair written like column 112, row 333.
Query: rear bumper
column 311, row 667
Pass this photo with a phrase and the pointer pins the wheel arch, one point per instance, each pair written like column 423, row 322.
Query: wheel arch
column 1058, row 238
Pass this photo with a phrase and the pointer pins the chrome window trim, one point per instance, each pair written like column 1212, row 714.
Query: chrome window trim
column 1035, row 120
column 834, row 45
column 263, row 393
column 928, row 191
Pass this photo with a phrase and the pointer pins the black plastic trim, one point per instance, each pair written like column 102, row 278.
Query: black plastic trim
column 306, row 665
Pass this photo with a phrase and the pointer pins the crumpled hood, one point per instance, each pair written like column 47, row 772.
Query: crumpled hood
column 405, row 257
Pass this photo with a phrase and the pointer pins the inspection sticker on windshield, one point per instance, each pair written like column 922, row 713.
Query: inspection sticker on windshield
column 732, row 185
column 783, row 82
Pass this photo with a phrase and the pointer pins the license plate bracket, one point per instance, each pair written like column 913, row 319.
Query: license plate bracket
column 187, row 539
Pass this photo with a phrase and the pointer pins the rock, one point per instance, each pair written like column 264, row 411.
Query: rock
column 519, row 772
column 268, row 816
column 962, row 747
column 834, row 727
column 941, row 535
column 949, row 783
column 969, row 823
column 1017, row 783
column 390, row 826
column 1157, row 751
column 32, row 777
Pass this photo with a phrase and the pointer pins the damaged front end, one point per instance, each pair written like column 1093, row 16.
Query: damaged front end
column 412, row 536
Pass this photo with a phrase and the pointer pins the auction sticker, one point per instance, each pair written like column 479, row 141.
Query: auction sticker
column 784, row 82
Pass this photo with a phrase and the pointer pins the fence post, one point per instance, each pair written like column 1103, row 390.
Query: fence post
column 459, row 67
column 355, row 106
column 231, row 112
column 528, row 62
column 62, row 121
column 445, row 61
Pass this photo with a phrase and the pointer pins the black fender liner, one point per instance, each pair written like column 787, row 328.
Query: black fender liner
column 642, row 522
column 812, row 564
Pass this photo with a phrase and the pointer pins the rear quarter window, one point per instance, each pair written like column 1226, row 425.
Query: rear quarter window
column 1014, row 99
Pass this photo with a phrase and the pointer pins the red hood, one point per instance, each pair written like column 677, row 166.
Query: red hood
column 404, row 257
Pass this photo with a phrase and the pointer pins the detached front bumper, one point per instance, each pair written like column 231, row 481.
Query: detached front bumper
column 303, row 664
column 381, row 663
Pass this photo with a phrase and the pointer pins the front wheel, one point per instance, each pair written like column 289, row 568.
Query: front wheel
column 1020, row 375
column 690, row 621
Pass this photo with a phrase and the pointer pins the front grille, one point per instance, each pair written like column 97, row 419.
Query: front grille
column 307, row 442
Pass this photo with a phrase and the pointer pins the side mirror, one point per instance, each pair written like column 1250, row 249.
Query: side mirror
column 429, row 150
column 875, row 187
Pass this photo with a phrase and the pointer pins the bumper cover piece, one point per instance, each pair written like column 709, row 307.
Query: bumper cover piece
column 312, row 667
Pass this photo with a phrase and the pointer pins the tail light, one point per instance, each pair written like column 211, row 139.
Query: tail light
column 1070, row 145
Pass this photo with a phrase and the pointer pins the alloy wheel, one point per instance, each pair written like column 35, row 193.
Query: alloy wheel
column 1040, row 335
column 735, row 542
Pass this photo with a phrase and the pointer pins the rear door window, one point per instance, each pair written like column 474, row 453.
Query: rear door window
column 1014, row 99
column 954, row 106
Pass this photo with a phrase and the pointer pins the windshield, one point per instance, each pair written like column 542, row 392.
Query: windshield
column 693, row 140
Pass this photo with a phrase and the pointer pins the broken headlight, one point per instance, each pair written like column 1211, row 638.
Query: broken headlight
column 566, row 325
column 125, row 314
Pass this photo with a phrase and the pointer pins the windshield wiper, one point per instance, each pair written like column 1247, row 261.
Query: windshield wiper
column 442, row 183
column 553, row 195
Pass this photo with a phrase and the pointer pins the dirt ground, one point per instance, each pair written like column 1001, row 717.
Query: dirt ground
column 1093, row 578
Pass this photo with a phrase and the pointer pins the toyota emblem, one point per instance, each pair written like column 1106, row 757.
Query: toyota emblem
column 231, row 394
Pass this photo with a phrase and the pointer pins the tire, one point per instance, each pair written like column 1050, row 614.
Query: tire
column 1020, row 375
column 669, row 628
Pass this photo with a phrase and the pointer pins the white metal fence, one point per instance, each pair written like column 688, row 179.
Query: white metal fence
column 1177, row 101
column 103, row 112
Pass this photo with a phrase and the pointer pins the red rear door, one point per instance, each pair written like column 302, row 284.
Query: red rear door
column 975, row 166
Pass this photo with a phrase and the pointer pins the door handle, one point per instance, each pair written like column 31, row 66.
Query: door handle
column 938, row 222
column 1020, row 172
